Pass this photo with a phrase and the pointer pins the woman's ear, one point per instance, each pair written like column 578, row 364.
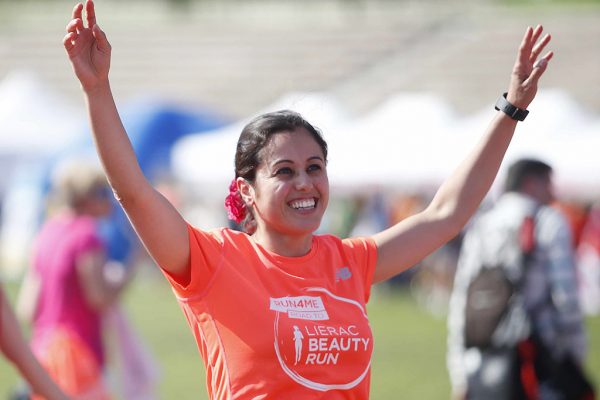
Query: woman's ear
column 246, row 191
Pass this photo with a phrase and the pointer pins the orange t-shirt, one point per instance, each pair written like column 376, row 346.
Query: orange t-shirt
column 273, row 327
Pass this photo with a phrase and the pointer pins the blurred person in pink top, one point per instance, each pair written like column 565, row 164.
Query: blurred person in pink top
column 69, row 284
column 277, row 311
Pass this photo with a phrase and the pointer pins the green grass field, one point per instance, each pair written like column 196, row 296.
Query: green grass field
column 408, row 363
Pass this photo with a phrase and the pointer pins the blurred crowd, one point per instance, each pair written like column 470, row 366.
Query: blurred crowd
column 430, row 282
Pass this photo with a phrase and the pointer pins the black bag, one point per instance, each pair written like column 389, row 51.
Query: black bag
column 490, row 293
column 488, row 297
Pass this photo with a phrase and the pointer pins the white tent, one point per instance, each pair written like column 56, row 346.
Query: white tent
column 557, row 131
column 33, row 119
column 393, row 143
column 379, row 148
column 414, row 141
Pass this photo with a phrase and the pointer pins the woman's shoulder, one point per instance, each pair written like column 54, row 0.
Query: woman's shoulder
column 347, row 244
column 221, row 236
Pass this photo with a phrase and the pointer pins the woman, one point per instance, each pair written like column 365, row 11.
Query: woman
column 69, row 285
column 244, row 293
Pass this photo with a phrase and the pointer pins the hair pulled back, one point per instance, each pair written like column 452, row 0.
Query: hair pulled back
column 248, row 156
column 258, row 132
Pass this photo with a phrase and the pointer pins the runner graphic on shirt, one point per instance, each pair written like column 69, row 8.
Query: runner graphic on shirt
column 298, row 336
column 322, row 341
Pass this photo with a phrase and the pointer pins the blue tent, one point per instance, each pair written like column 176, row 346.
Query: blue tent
column 153, row 128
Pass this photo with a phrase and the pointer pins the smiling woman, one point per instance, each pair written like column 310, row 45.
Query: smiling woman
column 288, row 191
column 278, row 311
column 302, row 163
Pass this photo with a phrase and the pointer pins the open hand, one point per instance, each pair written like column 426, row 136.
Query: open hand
column 528, row 68
column 87, row 48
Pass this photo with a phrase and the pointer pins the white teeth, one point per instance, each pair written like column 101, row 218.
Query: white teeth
column 303, row 204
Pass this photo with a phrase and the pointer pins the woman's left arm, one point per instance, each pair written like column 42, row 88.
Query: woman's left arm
column 406, row 243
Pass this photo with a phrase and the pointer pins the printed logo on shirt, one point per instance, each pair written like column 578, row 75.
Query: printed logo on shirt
column 322, row 342
column 342, row 274
column 301, row 307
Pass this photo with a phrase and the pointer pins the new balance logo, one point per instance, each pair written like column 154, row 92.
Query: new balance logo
column 342, row 274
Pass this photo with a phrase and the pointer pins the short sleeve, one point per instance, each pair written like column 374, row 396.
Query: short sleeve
column 362, row 252
column 206, row 252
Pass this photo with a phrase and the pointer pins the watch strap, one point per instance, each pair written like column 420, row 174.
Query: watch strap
column 518, row 114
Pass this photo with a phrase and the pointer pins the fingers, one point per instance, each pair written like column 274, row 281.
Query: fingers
column 75, row 26
column 538, row 48
column 525, row 47
column 77, row 10
column 90, row 13
column 543, row 62
column 532, row 46
column 101, row 40
column 539, row 69
column 536, row 33
column 69, row 41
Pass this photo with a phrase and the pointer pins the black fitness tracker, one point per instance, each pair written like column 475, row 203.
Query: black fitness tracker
column 518, row 114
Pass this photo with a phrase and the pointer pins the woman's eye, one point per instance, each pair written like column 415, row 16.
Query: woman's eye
column 314, row 168
column 284, row 171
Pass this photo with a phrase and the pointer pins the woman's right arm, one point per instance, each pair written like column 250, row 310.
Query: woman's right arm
column 158, row 224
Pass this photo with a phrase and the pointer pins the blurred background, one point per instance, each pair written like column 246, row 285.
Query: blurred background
column 401, row 90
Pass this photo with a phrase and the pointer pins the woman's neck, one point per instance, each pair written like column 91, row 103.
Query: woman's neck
column 284, row 245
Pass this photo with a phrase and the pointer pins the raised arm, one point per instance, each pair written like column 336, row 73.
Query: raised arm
column 160, row 227
column 409, row 241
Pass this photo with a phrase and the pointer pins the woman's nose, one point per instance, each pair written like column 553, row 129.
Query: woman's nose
column 303, row 181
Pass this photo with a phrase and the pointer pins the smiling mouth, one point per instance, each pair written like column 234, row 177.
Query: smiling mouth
column 304, row 204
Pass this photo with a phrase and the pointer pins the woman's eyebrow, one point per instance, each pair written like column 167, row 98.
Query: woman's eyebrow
column 282, row 161
column 285, row 160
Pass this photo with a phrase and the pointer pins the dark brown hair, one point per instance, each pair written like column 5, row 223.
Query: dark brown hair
column 257, row 133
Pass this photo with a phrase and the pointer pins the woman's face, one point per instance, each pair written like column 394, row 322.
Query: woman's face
column 291, row 189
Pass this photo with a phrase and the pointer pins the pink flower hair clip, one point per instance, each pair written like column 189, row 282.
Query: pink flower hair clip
column 235, row 206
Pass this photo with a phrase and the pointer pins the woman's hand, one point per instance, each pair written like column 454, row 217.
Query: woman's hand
column 87, row 48
column 528, row 68
column 409, row 241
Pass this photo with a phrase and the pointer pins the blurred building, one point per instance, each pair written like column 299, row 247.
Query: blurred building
column 238, row 56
